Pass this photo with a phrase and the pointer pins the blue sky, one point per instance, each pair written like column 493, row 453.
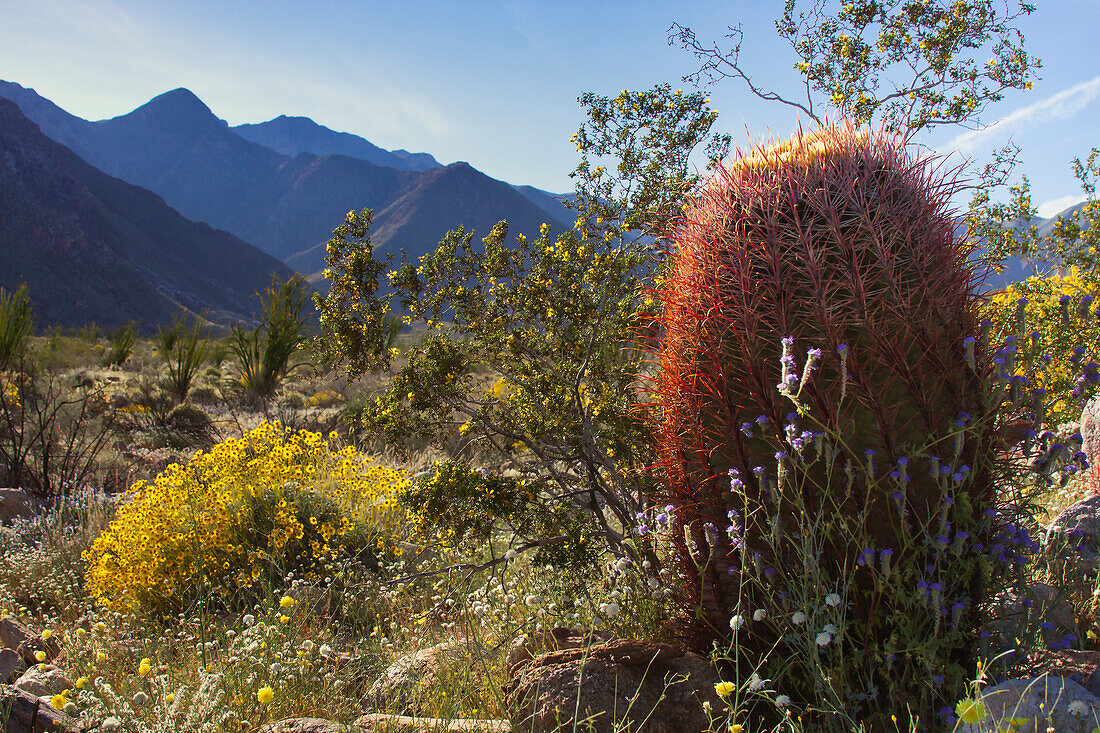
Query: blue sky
column 492, row 83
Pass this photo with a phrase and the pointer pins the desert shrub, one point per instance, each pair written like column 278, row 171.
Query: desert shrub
column 242, row 515
column 15, row 324
column 456, row 503
column 840, row 488
column 122, row 345
column 264, row 353
column 183, row 350
column 188, row 426
column 324, row 398
column 1064, row 340
column 52, row 432
column 205, row 394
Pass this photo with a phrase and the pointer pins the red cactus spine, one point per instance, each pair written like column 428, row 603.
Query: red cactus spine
column 817, row 317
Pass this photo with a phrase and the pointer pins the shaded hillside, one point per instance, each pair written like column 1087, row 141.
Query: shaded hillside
column 295, row 135
column 286, row 206
column 94, row 248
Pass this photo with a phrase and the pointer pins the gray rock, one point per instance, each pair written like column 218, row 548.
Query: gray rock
column 43, row 680
column 1039, row 610
column 16, row 504
column 304, row 725
column 641, row 686
column 1073, row 539
column 11, row 666
column 384, row 723
column 1083, row 667
column 1047, row 703
column 527, row 647
column 399, row 686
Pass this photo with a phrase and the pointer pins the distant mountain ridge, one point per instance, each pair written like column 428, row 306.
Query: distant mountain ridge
column 296, row 135
column 91, row 247
column 286, row 205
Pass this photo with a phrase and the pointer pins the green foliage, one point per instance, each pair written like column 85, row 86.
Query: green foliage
column 554, row 321
column 264, row 353
column 647, row 137
column 838, row 242
column 1009, row 229
column 183, row 350
column 1060, row 352
column 358, row 329
column 122, row 345
column 15, row 325
column 1057, row 299
column 907, row 64
column 459, row 504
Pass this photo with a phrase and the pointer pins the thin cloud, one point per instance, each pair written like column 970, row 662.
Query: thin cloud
column 1048, row 209
column 1061, row 106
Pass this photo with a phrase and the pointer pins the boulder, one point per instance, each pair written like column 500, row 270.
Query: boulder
column 43, row 680
column 1073, row 539
column 1039, row 609
column 399, row 686
column 27, row 713
column 383, row 723
column 16, row 504
column 1044, row 703
column 642, row 686
column 13, row 632
column 527, row 647
column 304, row 725
column 11, row 666
column 1083, row 667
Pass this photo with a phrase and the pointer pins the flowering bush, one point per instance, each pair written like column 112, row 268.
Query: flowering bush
column 1065, row 335
column 247, row 510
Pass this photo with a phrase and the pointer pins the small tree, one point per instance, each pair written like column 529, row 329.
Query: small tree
column 530, row 356
column 907, row 64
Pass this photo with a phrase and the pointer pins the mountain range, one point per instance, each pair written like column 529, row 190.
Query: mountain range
column 90, row 247
column 283, row 185
column 168, row 207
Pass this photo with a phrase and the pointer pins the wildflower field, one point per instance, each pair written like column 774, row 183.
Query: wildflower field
column 800, row 480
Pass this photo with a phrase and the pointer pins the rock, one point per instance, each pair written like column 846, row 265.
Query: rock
column 27, row 713
column 1080, row 666
column 529, row 646
column 1065, row 707
column 11, row 666
column 14, row 634
column 43, row 680
column 304, row 725
column 312, row 598
column 642, row 686
column 398, row 688
column 16, row 504
column 1040, row 609
column 1073, row 538
column 384, row 723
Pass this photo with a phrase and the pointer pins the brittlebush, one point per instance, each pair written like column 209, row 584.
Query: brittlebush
column 242, row 514
column 1059, row 328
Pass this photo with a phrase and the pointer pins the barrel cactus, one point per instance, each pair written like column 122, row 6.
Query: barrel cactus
column 826, row 431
